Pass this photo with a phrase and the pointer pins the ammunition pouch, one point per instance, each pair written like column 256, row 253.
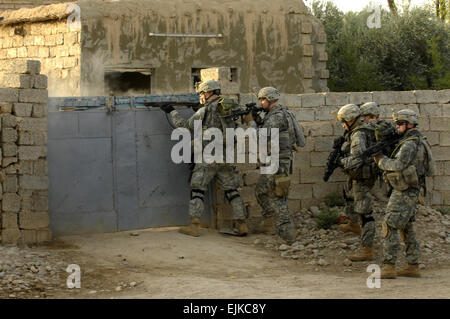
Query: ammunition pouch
column 397, row 181
column 365, row 172
column 282, row 183
column 410, row 175
column 403, row 180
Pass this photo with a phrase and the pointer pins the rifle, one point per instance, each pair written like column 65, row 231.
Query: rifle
column 333, row 158
column 250, row 108
column 194, row 105
column 184, row 99
column 381, row 147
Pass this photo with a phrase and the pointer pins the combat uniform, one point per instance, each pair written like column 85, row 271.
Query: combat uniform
column 226, row 174
column 271, row 196
column 402, row 205
column 360, row 180
column 361, row 176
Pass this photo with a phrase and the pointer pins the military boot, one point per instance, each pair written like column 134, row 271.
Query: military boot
column 266, row 226
column 410, row 271
column 365, row 253
column 193, row 229
column 241, row 227
column 350, row 227
column 287, row 233
column 388, row 272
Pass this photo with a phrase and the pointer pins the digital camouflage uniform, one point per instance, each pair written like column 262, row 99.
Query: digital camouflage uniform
column 402, row 205
column 225, row 174
column 360, row 180
column 272, row 204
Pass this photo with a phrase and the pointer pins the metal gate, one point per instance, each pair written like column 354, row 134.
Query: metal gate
column 110, row 169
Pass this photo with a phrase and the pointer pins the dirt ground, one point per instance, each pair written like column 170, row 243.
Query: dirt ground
column 162, row 263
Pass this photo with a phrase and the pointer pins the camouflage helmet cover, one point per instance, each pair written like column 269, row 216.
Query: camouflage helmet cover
column 206, row 86
column 370, row 108
column 406, row 115
column 269, row 93
column 348, row 113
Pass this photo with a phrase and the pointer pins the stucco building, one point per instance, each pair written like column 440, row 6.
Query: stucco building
column 131, row 47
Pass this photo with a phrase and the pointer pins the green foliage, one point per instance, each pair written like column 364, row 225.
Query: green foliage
column 444, row 210
column 410, row 51
column 327, row 218
column 334, row 199
column 439, row 72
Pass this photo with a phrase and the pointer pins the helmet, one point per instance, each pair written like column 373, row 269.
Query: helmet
column 406, row 115
column 270, row 93
column 348, row 113
column 210, row 85
column 370, row 108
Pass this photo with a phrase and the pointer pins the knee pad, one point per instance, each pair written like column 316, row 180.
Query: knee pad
column 232, row 194
column 197, row 193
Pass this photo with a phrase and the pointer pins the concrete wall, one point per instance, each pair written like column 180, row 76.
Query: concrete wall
column 23, row 172
column 52, row 43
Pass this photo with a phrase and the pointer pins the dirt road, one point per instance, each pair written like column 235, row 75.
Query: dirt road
column 161, row 263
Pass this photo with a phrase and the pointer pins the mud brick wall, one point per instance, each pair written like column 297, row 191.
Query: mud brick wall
column 23, row 172
column 17, row 4
column 315, row 112
column 52, row 43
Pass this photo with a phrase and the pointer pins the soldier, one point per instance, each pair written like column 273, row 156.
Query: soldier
column 224, row 173
column 358, row 137
column 272, row 189
column 370, row 113
column 405, row 171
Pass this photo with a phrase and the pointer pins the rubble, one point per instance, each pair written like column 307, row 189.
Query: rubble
column 316, row 246
column 26, row 273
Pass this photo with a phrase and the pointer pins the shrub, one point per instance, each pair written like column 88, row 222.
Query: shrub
column 444, row 210
column 334, row 199
column 327, row 218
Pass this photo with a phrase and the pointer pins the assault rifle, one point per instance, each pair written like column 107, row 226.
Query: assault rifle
column 387, row 137
column 250, row 108
column 194, row 105
column 379, row 148
column 185, row 99
column 333, row 158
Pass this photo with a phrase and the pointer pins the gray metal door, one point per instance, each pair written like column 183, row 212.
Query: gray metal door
column 110, row 167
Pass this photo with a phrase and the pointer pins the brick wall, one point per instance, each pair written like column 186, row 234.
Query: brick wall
column 17, row 4
column 315, row 113
column 23, row 153
column 52, row 43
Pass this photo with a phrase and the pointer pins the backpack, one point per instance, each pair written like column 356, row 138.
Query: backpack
column 295, row 129
column 429, row 162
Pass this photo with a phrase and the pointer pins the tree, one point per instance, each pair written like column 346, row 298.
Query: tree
column 441, row 9
column 410, row 51
column 392, row 6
